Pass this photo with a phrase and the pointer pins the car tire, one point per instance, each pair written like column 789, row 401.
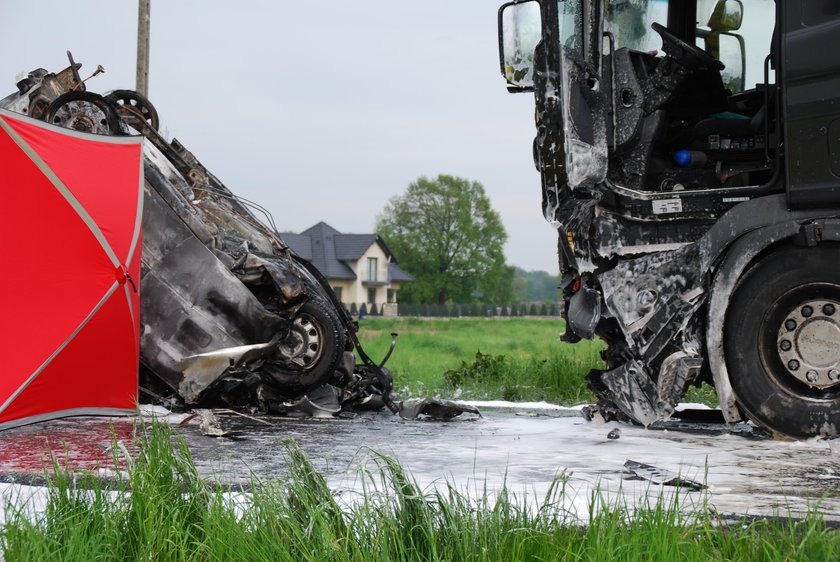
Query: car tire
column 315, row 347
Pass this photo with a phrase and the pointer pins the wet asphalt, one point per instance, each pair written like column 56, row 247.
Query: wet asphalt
column 741, row 470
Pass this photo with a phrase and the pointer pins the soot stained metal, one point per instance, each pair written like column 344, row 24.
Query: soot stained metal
column 230, row 316
column 698, row 216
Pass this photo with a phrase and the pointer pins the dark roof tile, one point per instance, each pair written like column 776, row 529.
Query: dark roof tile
column 300, row 244
column 328, row 250
column 350, row 247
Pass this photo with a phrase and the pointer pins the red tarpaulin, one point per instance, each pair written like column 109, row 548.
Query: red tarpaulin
column 70, row 225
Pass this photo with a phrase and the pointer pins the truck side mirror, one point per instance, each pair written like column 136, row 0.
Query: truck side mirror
column 520, row 29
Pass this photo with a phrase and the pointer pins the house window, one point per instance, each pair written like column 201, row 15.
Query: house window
column 392, row 295
column 371, row 276
column 372, row 294
column 337, row 291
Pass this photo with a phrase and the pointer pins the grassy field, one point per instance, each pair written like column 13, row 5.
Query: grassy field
column 163, row 510
column 489, row 358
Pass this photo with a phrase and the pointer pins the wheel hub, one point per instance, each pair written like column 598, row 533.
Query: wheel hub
column 303, row 344
column 82, row 116
column 809, row 343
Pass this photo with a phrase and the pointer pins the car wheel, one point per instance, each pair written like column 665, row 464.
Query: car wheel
column 782, row 341
column 313, row 348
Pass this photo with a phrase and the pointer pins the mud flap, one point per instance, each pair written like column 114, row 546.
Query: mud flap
column 630, row 388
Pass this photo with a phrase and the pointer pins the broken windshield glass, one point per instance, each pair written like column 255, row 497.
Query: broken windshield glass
column 570, row 19
column 629, row 23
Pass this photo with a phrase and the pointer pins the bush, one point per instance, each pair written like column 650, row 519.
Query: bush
column 533, row 310
column 544, row 310
column 484, row 368
column 373, row 311
column 554, row 311
column 505, row 311
column 353, row 309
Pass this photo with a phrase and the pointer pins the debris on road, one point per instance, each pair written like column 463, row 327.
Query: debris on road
column 210, row 425
column 661, row 476
column 323, row 402
column 434, row 408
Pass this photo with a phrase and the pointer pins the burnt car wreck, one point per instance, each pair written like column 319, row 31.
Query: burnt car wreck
column 231, row 317
column 698, row 216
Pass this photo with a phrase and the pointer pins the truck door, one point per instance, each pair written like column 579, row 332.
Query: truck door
column 560, row 63
column 811, row 93
column 583, row 104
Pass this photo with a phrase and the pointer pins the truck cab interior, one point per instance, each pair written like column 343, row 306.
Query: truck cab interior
column 691, row 115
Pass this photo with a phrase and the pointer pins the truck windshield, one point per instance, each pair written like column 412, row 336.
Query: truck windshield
column 570, row 15
column 629, row 22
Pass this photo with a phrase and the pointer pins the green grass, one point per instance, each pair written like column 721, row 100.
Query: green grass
column 535, row 364
column 490, row 359
column 162, row 510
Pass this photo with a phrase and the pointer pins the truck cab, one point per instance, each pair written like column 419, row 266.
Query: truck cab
column 689, row 155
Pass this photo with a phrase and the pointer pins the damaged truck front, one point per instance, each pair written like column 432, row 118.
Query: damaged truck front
column 696, row 194
column 229, row 315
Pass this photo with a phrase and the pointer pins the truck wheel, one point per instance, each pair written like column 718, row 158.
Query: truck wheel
column 314, row 347
column 782, row 341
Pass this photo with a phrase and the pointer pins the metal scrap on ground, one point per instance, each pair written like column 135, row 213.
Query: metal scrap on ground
column 660, row 475
column 434, row 408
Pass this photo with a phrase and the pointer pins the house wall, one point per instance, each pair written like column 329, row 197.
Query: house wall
column 347, row 288
column 356, row 291
column 396, row 288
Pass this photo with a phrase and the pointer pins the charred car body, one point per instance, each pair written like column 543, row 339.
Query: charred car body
column 696, row 193
column 229, row 316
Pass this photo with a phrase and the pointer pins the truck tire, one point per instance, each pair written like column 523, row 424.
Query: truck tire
column 315, row 346
column 782, row 341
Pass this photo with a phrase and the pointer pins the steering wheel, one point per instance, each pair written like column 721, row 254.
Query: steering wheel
column 690, row 56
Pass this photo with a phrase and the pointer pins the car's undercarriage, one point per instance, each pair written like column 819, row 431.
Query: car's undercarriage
column 230, row 316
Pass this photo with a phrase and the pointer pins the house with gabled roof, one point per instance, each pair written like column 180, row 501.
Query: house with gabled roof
column 359, row 267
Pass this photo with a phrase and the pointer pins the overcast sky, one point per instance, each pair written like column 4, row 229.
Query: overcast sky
column 317, row 110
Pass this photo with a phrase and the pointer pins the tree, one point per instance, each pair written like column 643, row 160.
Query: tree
column 534, row 286
column 446, row 234
column 497, row 284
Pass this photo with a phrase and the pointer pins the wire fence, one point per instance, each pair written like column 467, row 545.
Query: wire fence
column 455, row 310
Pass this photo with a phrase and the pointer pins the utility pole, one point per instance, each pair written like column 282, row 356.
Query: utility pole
column 143, row 22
